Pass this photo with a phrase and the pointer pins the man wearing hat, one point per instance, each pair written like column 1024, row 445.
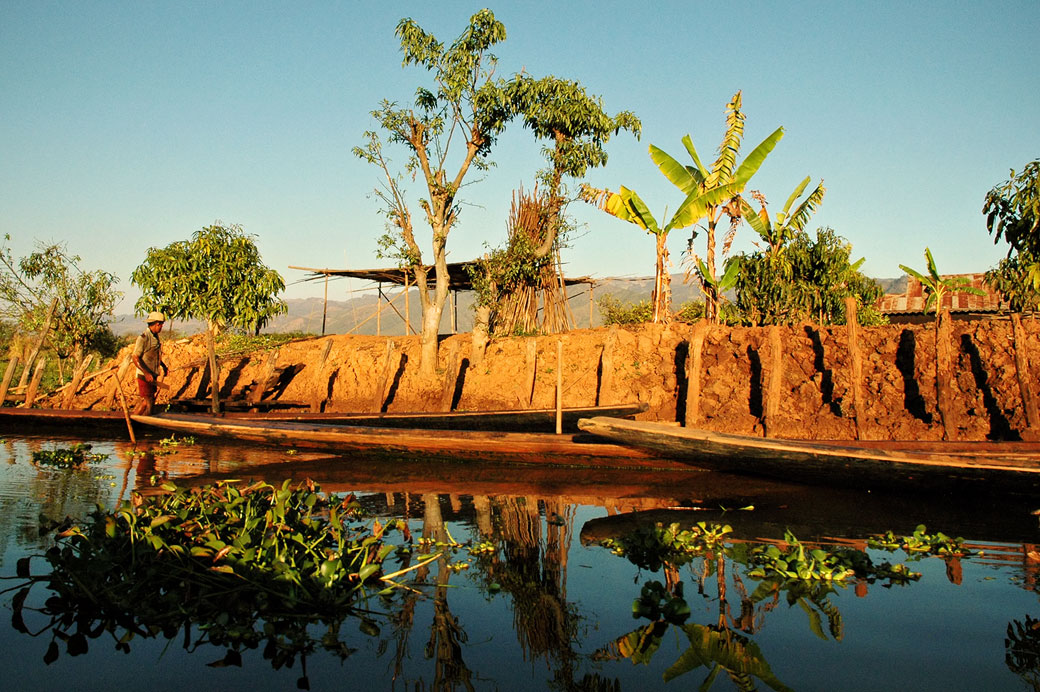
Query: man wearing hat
column 148, row 359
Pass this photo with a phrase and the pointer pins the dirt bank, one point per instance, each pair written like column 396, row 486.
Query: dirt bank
column 645, row 364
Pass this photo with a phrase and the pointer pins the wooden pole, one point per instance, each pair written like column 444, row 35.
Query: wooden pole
column 454, row 312
column 77, row 380
column 944, row 372
column 264, row 380
column 8, row 374
column 214, row 373
column 605, row 393
column 559, row 386
column 383, row 383
column 530, row 362
column 451, row 371
column 852, row 333
column 126, row 409
column 1024, row 377
column 39, row 343
column 34, row 384
column 379, row 310
column 776, row 376
column 325, row 305
column 407, row 308
column 694, row 366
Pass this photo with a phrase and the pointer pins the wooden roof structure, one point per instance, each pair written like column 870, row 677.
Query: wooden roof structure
column 458, row 275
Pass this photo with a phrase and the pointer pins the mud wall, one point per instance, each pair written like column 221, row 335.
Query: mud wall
column 645, row 364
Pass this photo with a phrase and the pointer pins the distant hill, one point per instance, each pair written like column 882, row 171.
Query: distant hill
column 358, row 315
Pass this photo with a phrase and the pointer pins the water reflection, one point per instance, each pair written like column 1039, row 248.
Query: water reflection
column 520, row 580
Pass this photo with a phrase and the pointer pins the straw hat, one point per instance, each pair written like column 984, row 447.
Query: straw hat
column 156, row 316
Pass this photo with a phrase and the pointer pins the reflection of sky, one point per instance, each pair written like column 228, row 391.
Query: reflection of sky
column 929, row 635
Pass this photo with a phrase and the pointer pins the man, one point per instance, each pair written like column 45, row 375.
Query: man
column 148, row 360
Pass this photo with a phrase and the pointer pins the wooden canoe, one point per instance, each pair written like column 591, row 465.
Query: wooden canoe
column 981, row 466
column 521, row 420
column 568, row 449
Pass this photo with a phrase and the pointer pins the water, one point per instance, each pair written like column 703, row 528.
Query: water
column 548, row 606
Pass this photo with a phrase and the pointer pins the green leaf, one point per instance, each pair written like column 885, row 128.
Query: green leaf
column 753, row 161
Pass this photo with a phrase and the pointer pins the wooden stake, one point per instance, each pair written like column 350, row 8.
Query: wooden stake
column 451, row 372
column 265, row 378
column 531, row 363
column 694, row 366
column 8, row 374
column 77, row 379
column 605, row 393
column 30, row 394
column 559, row 387
column 776, row 373
column 39, row 343
column 852, row 331
column 1024, row 377
column 384, row 382
column 944, row 372
column 126, row 409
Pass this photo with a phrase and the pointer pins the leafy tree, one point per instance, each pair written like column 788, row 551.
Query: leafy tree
column 808, row 280
column 85, row 300
column 710, row 195
column 465, row 106
column 1012, row 212
column 1012, row 279
column 936, row 287
column 217, row 276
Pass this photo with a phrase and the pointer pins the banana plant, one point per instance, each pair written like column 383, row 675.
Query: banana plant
column 712, row 194
column 626, row 205
column 788, row 223
column 936, row 287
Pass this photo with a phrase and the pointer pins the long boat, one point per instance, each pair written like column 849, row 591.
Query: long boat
column 567, row 449
column 981, row 466
column 505, row 420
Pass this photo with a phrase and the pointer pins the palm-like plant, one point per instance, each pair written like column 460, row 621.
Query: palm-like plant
column 710, row 195
column 788, row 223
column 626, row 205
column 936, row 287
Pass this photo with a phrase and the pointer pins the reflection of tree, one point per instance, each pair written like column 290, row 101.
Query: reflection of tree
column 1022, row 650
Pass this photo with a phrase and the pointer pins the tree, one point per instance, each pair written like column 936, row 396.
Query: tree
column 1012, row 212
column 808, row 280
column 1012, row 279
column 464, row 104
column 710, row 195
column 217, row 276
column 85, row 300
column 626, row 205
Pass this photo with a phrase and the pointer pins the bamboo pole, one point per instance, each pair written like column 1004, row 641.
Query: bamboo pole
column 126, row 409
column 8, row 374
column 694, row 366
column 852, row 332
column 1024, row 377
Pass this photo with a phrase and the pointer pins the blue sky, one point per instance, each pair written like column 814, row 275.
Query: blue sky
column 129, row 125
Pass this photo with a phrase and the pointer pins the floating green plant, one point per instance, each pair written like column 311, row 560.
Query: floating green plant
column 920, row 543
column 67, row 457
column 246, row 566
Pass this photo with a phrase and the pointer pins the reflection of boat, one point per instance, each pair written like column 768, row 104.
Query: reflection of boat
column 982, row 466
column 574, row 449
column 512, row 420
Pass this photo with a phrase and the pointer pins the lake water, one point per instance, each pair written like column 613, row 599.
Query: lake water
column 546, row 607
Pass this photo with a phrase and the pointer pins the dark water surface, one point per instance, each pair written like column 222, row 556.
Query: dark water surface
column 545, row 607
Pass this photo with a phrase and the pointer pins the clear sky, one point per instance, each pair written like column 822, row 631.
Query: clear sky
column 129, row 125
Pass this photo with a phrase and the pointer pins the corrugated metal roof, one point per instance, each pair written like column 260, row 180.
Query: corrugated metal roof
column 913, row 299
